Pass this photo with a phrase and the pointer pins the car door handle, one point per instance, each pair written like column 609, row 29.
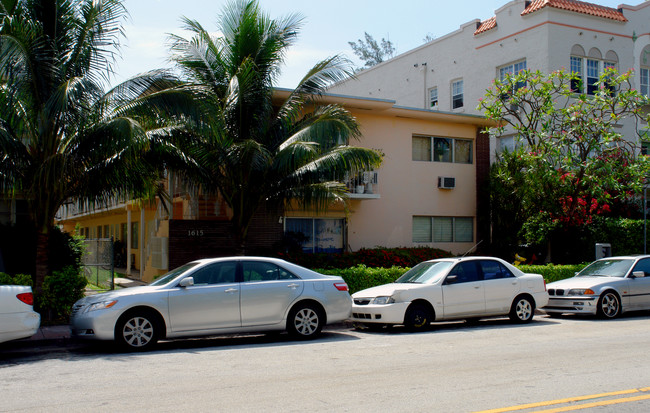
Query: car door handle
column 230, row 290
column 293, row 286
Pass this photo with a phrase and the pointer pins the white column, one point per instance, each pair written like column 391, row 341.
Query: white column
column 128, row 242
column 143, row 259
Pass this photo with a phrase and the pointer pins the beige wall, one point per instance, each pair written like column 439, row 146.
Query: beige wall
column 408, row 187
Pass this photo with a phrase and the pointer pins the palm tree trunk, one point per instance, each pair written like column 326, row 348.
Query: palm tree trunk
column 42, row 260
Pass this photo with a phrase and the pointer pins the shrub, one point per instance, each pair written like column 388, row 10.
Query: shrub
column 553, row 272
column 361, row 277
column 376, row 257
column 18, row 279
column 60, row 291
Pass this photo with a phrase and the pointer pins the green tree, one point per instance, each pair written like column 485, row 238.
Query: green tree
column 62, row 136
column 257, row 146
column 571, row 162
column 371, row 51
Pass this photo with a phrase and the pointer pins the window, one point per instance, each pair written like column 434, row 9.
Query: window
column 576, row 70
column 123, row 232
column 218, row 273
column 464, row 272
column 513, row 69
column 645, row 148
column 457, row 94
column 493, row 270
column 444, row 149
column 590, row 70
column 315, row 234
column 421, row 148
column 592, row 76
column 433, row 98
column 443, row 229
column 106, row 232
column 99, row 231
column 265, row 271
column 644, row 82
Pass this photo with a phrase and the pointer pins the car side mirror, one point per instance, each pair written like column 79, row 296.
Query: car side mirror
column 638, row 274
column 186, row 282
column 451, row 279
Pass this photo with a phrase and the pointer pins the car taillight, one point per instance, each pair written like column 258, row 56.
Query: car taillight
column 341, row 286
column 27, row 298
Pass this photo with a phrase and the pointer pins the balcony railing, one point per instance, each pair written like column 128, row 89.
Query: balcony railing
column 363, row 185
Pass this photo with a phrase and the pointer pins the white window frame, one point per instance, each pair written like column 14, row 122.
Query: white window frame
column 424, row 229
column 452, row 155
column 513, row 69
column 588, row 70
column 644, row 81
column 433, row 98
column 457, row 93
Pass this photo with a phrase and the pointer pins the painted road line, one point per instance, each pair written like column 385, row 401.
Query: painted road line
column 569, row 400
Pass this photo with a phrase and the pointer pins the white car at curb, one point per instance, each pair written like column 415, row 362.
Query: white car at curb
column 451, row 289
column 17, row 316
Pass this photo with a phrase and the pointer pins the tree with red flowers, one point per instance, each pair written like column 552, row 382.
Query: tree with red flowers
column 570, row 161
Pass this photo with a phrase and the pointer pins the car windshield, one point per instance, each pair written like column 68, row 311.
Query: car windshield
column 164, row 279
column 607, row 268
column 425, row 272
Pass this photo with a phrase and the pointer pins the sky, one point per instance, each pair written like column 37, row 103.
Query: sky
column 327, row 28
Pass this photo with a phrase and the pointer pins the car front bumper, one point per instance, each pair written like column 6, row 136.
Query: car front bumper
column 380, row 314
column 96, row 325
column 576, row 305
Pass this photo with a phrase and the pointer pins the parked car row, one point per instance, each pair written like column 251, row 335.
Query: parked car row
column 254, row 294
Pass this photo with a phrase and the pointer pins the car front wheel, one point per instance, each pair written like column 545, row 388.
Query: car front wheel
column 522, row 310
column 417, row 318
column 609, row 305
column 137, row 331
column 305, row 321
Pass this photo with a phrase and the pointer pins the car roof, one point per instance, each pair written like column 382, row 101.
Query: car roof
column 626, row 257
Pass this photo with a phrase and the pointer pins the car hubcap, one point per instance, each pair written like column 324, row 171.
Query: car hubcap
column 610, row 305
column 306, row 321
column 137, row 332
column 419, row 320
column 523, row 310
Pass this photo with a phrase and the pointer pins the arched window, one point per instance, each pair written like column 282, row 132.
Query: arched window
column 644, row 72
column 587, row 68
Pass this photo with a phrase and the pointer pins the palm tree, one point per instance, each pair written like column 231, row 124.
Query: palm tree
column 62, row 136
column 253, row 148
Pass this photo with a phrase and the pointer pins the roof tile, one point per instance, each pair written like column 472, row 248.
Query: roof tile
column 576, row 6
column 486, row 25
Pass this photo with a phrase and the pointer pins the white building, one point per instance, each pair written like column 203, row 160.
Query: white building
column 452, row 72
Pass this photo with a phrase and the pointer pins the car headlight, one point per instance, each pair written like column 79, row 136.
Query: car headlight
column 382, row 300
column 581, row 291
column 101, row 305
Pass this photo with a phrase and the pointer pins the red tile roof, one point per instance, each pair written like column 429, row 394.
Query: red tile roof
column 578, row 7
column 486, row 25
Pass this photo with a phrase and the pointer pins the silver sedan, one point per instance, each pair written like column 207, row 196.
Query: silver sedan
column 606, row 287
column 216, row 296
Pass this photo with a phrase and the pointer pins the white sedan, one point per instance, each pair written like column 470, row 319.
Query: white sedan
column 216, row 296
column 17, row 316
column 450, row 289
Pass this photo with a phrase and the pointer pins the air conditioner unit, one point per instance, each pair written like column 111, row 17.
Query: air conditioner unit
column 446, row 182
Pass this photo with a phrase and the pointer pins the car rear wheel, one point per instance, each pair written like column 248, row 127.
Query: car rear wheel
column 609, row 305
column 137, row 330
column 305, row 321
column 522, row 310
column 417, row 318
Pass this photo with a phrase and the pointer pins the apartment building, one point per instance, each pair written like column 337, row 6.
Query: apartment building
column 424, row 194
column 451, row 73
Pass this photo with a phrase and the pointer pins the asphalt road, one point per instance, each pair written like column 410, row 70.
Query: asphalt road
column 455, row 367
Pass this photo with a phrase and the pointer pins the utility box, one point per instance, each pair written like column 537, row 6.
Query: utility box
column 603, row 250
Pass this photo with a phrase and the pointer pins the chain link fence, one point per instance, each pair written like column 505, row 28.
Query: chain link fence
column 98, row 262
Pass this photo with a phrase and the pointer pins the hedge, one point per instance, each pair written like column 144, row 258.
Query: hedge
column 379, row 257
column 552, row 272
column 361, row 276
